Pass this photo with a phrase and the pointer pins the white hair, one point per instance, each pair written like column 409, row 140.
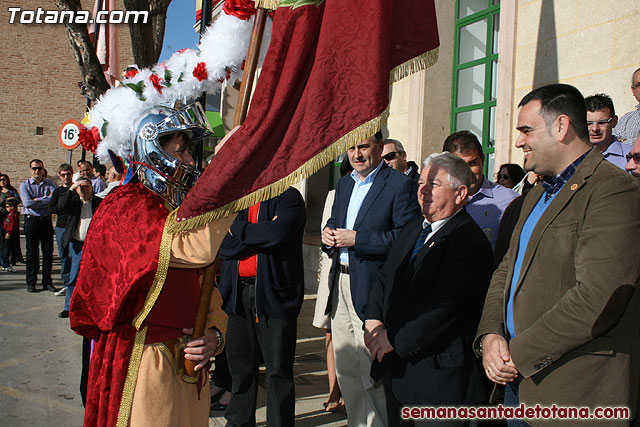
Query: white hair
column 457, row 169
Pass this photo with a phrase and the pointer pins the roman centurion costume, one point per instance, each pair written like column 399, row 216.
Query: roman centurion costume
column 139, row 286
column 141, row 281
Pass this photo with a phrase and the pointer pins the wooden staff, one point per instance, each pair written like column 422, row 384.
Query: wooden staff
column 248, row 76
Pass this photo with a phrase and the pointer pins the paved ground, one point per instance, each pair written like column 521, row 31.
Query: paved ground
column 40, row 362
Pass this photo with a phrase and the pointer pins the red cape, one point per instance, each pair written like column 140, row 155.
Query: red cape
column 119, row 263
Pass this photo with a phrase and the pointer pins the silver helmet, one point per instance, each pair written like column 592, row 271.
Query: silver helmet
column 157, row 169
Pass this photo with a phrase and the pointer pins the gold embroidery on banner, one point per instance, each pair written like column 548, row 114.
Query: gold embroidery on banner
column 161, row 276
column 132, row 376
column 365, row 130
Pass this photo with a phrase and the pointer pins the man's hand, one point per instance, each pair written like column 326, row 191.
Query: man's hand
column 201, row 349
column 376, row 340
column 496, row 359
column 328, row 237
column 344, row 238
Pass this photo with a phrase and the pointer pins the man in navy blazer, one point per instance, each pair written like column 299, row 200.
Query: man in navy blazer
column 371, row 205
column 426, row 301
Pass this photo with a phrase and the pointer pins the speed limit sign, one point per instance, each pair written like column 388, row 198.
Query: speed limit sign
column 68, row 134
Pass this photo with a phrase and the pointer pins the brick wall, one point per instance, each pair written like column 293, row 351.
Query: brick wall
column 38, row 88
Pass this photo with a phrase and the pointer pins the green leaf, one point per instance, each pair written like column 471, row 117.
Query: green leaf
column 167, row 78
column 103, row 130
column 180, row 77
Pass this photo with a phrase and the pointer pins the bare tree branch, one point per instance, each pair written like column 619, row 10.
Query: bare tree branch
column 93, row 79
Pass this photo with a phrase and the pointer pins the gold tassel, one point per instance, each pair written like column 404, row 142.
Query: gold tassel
column 267, row 4
column 132, row 376
column 419, row 63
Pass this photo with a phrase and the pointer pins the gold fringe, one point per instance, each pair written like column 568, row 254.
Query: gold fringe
column 161, row 275
column 267, row 4
column 317, row 162
column 132, row 376
column 419, row 63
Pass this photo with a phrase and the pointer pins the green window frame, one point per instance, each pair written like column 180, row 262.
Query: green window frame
column 475, row 64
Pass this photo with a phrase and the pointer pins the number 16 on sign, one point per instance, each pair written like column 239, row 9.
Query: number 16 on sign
column 68, row 134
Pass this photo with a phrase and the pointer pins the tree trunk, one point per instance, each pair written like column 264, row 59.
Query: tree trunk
column 146, row 39
column 93, row 80
column 146, row 42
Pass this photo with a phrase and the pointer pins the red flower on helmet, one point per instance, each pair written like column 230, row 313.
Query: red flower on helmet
column 89, row 138
column 131, row 73
column 241, row 9
column 155, row 80
column 200, row 71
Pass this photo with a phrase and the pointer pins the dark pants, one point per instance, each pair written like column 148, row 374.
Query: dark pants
column 245, row 339
column 38, row 232
column 512, row 400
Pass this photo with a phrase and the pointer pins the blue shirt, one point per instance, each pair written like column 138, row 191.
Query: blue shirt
column 551, row 187
column 36, row 196
column 616, row 153
column 359, row 192
column 487, row 206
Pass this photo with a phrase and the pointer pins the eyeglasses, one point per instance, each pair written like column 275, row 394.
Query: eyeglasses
column 390, row 156
column 634, row 156
column 502, row 176
column 599, row 122
column 3, row 179
column 37, row 168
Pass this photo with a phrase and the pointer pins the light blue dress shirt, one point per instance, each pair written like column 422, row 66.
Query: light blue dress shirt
column 487, row 206
column 359, row 192
column 616, row 153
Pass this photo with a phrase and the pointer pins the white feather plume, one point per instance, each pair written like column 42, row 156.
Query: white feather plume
column 222, row 49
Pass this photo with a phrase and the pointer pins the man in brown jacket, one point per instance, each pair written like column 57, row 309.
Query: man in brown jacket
column 560, row 322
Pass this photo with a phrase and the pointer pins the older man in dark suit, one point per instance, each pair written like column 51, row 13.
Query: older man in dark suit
column 426, row 300
column 370, row 207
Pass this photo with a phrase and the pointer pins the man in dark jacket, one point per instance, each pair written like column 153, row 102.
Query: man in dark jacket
column 262, row 288
column 56, row 207
column 79, row 205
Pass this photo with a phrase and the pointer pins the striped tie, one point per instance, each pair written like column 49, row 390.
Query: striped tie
column 422, row 238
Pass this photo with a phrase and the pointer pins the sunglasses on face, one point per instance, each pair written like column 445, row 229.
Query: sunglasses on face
column 502, row 176
column 37, row 168
column 390, row 156
column 634, row 156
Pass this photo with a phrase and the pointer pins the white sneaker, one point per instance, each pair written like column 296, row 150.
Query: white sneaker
column 8, row 269
column 62, row 292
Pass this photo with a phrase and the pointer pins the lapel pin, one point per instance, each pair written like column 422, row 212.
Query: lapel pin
column 574, row 187
column 431, row 244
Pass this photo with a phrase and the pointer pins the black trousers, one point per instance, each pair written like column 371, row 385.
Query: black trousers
column 276, row 339
column 38, row 232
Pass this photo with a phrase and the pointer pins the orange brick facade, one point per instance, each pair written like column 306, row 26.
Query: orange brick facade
column 39, row 88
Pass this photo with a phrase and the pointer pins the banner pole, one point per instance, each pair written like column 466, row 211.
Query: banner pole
column 248, row 76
